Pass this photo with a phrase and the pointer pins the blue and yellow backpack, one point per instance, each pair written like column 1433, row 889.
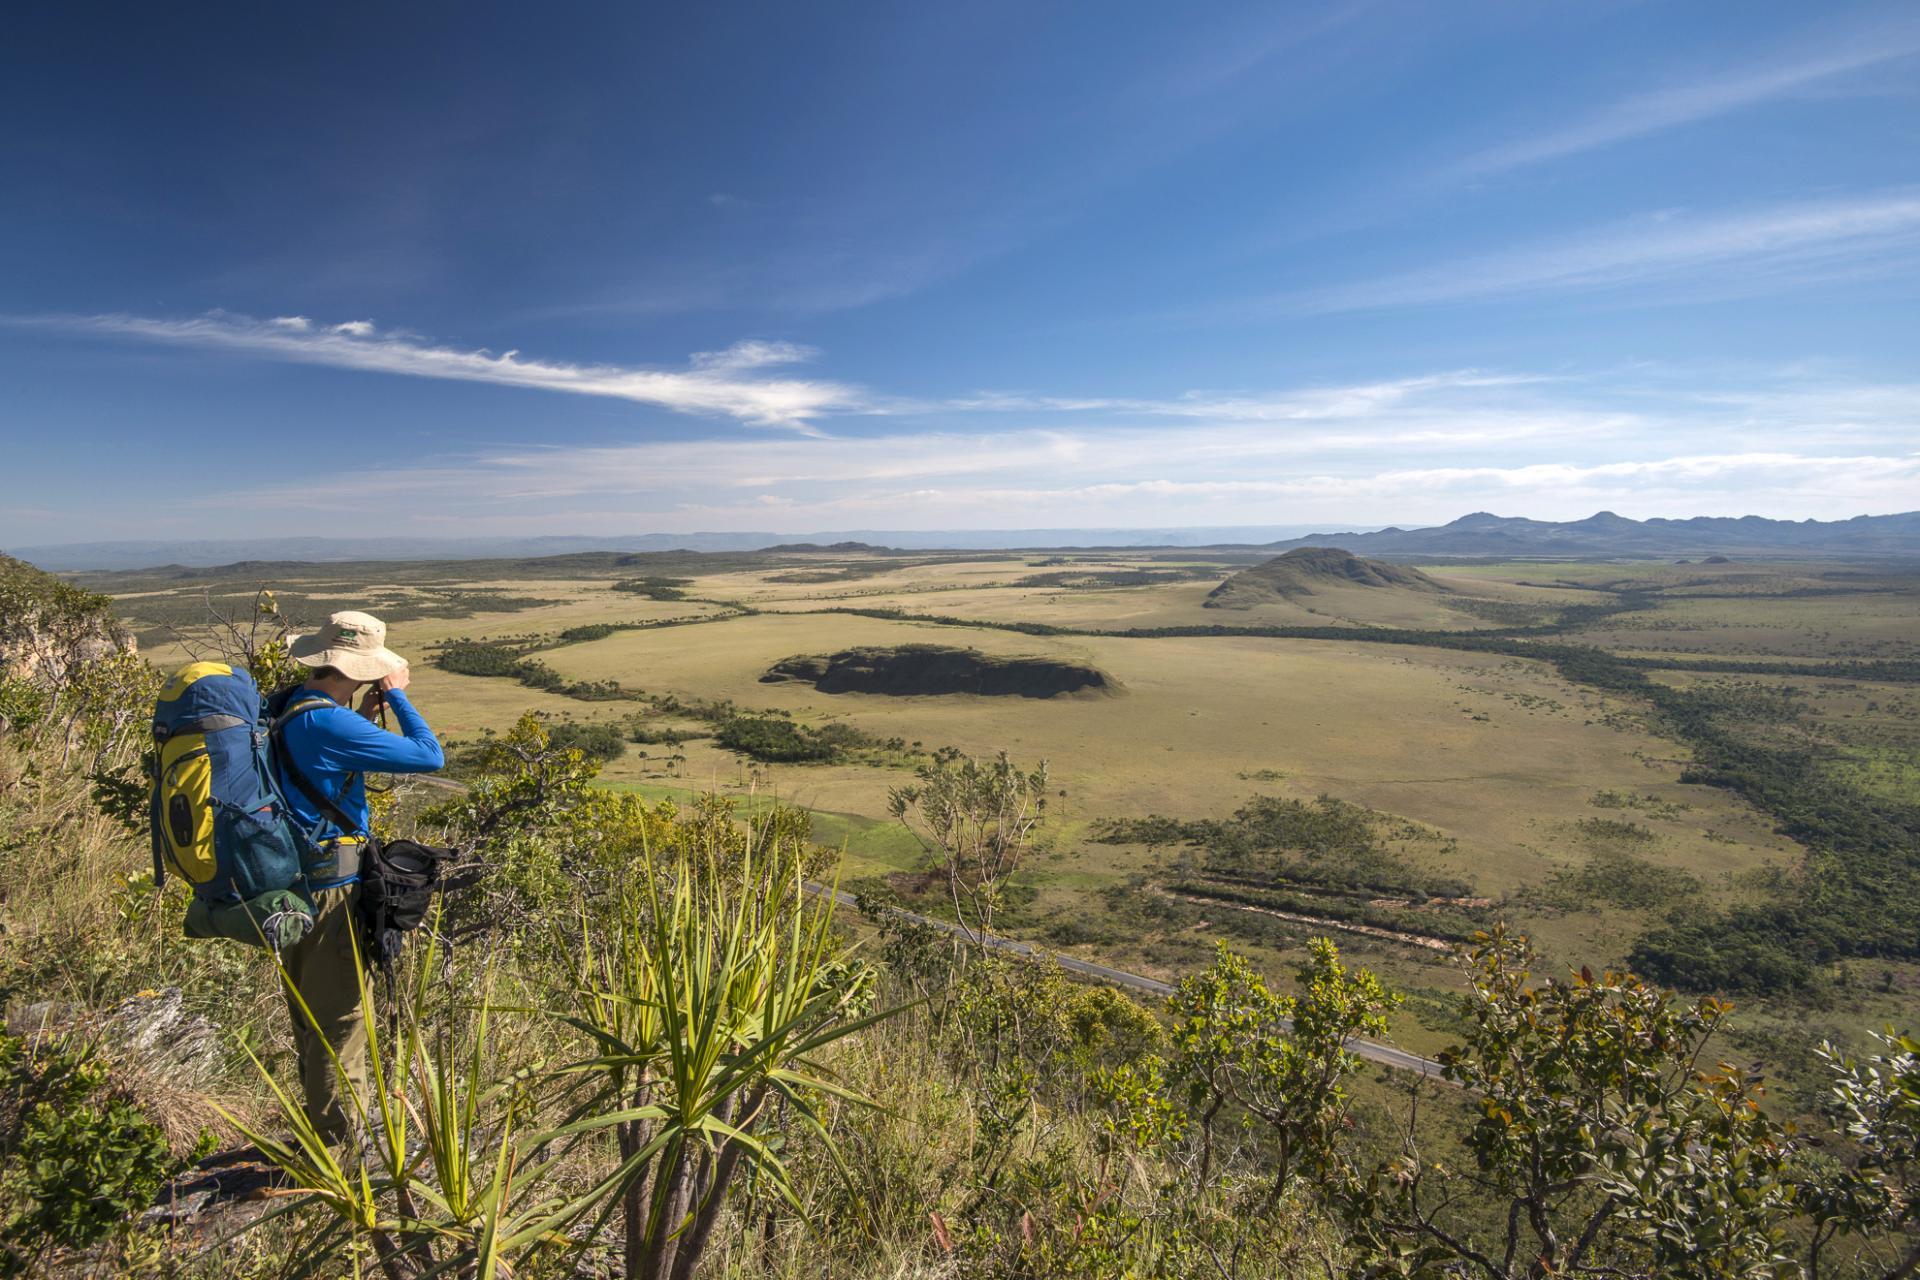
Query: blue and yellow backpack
column 218, row 819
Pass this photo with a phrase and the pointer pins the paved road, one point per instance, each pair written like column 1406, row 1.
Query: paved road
column 1372, row 1050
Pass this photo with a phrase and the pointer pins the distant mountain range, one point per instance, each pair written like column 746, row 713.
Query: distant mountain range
column 1606, row 534
column 1479, row 534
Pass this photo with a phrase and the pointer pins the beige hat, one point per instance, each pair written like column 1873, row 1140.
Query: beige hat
column 354, row 644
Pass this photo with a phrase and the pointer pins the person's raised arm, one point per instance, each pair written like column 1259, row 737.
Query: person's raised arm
column 357, row 745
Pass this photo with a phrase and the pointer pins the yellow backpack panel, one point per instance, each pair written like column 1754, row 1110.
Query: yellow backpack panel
column 186, row 809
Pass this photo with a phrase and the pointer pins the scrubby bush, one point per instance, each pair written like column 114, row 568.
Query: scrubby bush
column 77, row 1158
column 471, row 658
column 1617, row 878
column 599, row 741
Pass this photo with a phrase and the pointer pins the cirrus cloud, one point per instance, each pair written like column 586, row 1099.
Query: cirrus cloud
column 723, row 384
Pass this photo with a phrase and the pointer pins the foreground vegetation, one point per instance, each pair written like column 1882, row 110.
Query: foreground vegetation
column 641, row 1047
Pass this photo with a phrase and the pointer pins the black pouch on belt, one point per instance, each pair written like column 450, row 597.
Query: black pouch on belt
column 397, row 882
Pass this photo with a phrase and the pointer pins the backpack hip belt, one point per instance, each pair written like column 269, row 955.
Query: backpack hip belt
column 336, row 861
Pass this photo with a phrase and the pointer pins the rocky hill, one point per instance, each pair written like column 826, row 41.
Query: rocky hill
column 49, row 627
column 1309, row 571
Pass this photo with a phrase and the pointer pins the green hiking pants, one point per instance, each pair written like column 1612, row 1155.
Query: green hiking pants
column 321, row 967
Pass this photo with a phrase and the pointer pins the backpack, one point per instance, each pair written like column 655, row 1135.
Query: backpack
column 217, row 818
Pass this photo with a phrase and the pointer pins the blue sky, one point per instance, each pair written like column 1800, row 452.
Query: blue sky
column 458, row 269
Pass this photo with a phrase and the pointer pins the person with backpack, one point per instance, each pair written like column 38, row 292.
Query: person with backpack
column 323, row 749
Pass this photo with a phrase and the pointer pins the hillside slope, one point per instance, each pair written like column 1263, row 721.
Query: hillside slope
column 1311, row 571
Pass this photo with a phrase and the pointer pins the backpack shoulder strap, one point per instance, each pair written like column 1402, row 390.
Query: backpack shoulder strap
column 276, row 734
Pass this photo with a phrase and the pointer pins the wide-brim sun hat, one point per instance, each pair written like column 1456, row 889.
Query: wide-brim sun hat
column 354, row 644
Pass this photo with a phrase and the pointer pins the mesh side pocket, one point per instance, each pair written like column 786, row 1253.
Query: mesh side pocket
column 257, row 853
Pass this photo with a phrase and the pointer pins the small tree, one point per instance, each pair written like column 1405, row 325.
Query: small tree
column 976, row 822
column 1877, row 1102
column 1604, row 1145
column 1281, row 1061
column 1205, row 1155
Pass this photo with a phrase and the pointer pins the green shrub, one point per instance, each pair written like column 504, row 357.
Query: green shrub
column 596, row 741
column 1748, row 950
column 1324, row 842
column 479, row 658
column 22, row 703
column 1614, row 831
column 774, row 739
column 80, row 1159
column 1618, row 878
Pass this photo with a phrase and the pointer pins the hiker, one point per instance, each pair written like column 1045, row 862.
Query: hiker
column 326, row 747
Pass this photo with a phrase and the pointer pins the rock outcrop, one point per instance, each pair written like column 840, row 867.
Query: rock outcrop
column 924, row 669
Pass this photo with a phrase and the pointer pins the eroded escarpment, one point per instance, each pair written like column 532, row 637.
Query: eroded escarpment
column 920, row 669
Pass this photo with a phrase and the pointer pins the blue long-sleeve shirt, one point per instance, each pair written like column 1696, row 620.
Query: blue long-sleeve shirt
column 331, row 742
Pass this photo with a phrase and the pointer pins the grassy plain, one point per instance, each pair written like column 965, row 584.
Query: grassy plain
column 1559, row 805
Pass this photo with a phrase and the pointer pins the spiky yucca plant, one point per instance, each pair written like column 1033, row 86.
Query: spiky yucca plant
column 437, row 1188
column 705, row 994
column 709, row 999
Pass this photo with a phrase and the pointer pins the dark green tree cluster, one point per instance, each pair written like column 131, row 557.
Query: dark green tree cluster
column 777, row 739
column 655, row 588
column 1325, row 858
column 478, row 658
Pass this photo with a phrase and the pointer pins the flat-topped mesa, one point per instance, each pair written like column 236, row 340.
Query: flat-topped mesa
column 925, row 669
column 1309, row 570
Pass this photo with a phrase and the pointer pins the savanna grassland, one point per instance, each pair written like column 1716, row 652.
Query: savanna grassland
column 1408, row 764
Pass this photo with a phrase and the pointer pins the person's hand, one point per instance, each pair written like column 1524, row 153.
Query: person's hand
column 398, row 680
column 372, row 702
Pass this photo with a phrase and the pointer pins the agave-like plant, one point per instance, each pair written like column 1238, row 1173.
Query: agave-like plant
column 706, row 996
column 437, row 1188
column 708, row 1002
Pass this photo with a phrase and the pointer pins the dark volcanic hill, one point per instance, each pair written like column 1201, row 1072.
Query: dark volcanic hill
column 1607, row 534
column 1308, row 571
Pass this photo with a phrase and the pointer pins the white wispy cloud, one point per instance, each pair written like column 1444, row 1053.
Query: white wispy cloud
column 1306, row 404
column 1739, row 252
column 1701, row 96
column 727, row 381
column 1694, row 467
column 1647, row 441
column 724, row 383
column 1428, row 450
column 753, row 354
